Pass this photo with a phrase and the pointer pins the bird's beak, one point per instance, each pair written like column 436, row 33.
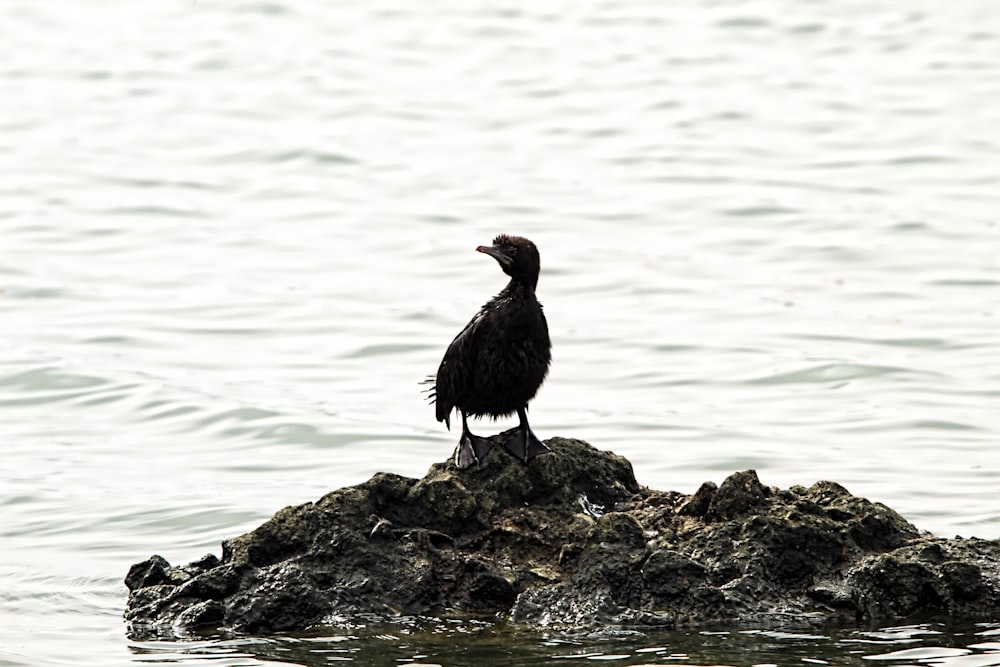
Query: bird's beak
column 496, row 253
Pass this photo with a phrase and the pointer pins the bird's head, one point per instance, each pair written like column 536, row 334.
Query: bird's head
column 517, row 256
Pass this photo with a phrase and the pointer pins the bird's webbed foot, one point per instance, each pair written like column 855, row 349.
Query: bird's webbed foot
column 471, row 449
column 523, row 444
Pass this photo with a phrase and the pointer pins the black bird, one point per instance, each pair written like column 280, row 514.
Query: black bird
column 499, row 360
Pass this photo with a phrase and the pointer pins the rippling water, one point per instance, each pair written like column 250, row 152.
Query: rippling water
column 235, row 237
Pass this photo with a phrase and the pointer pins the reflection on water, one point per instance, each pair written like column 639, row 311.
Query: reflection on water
column 435, row 642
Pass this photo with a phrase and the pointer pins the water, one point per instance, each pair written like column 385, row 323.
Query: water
column 235, row 236
column 435, row 643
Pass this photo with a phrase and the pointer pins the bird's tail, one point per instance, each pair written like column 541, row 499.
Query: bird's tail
column 431, row 391
column 432, row 398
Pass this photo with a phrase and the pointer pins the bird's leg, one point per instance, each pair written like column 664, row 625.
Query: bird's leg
column 521, row 442
column 471, row 448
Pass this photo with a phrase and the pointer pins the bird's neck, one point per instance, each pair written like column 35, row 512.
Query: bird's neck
column 519, row 288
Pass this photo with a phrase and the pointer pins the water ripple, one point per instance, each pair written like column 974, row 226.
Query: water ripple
column 834, row 372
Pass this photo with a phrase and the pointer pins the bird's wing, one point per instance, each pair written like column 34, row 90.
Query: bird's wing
column 454, row 376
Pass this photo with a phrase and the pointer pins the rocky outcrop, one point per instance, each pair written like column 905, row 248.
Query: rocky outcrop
column 570, row 541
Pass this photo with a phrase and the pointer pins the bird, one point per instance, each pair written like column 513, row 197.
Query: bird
column 497, row 363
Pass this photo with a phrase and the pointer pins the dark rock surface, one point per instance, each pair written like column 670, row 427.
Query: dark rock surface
column 570, row 541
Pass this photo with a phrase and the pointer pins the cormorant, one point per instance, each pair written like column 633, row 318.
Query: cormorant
column 499, row 360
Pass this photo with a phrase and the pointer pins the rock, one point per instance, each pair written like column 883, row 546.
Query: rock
column 569, row 542
column 956, row 578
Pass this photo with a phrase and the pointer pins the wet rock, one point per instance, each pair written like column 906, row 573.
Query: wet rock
column 149, row 572
column 958, row 578
column 738, row 495
column 698, row 504
column 570, row 541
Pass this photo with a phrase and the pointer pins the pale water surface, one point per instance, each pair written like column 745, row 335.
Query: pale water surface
column 235, row 236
